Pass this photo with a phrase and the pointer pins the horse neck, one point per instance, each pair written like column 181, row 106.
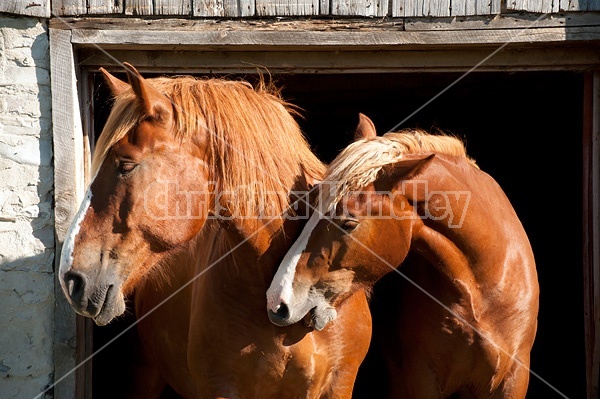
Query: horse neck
column 455, row 233
column 464, row 205
column 249, row 249
column 267, row 233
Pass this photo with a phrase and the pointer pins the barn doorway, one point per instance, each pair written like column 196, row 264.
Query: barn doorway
column 521, row 127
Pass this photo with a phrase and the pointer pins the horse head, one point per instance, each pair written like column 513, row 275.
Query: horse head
column 349, row 242
column 138, row 206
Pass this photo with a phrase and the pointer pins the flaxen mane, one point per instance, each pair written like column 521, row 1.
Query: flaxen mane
column 251, row 136
column 359, row 164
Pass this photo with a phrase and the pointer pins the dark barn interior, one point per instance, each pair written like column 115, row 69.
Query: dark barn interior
column 524, row 129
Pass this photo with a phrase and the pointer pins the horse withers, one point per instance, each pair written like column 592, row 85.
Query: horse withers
column 465, row 319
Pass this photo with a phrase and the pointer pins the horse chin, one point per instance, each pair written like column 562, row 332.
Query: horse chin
column 113, row 306
column 320, row 316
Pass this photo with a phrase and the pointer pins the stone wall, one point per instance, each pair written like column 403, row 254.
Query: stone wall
column 26, row 217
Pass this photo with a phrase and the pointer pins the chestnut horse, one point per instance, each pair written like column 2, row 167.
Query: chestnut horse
column 193, row 178
column 466, row 323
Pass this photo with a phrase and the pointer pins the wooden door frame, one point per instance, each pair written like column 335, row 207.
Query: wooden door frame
column 591, row 228
column 77, row 48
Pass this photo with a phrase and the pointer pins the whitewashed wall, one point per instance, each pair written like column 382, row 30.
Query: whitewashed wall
column 26, row 216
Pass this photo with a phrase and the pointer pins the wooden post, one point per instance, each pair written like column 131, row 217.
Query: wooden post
column 68, row 193
column 591, row 229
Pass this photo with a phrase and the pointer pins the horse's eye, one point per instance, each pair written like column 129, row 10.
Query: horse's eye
column 350, row 224
column 126, row 167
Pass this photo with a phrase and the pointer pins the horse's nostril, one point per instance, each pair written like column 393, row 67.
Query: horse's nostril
column 283, row 311
column 280, row 316
column 75, row 284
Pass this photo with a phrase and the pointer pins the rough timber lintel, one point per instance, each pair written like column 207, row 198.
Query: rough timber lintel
column 337, row 46
column 177, row 34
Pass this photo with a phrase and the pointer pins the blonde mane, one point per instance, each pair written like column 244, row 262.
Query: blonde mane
column 359, row 164
column 251, row 136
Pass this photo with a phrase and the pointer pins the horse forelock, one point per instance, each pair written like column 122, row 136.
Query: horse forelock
column 361, row 163
column 251, row 135
column 123, row 117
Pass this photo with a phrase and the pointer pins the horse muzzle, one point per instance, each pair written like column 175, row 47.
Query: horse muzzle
column 100, row 299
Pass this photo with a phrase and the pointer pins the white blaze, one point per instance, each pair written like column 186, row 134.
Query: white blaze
column 281, row 287
column 66, row 255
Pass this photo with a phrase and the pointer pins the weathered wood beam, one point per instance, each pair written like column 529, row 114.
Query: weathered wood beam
column 341, row 61
column 68, row 192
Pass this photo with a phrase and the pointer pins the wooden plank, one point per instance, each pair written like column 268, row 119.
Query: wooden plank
column 33, row 8
column 588, row 270
column 86, row 99
column 537, row 6
column 579, row 5
column 262, row 24
column 280, row 8
column 85, row 343
column 306, row 39
column 65, row 341
column 364, row 8
column 247, row 8
column 65, row 8
column 505, row 21
column 68, row 193
column 465, row 7
column 595, row 221
column 85, row 325
column 104, row 7
column 346, row 61
column 496, row 6
column 514, row 21
column 593, row 5
column 475, row 7
column 172, row 7
column 569, row 5
column 221, row 8
column 420, row 8
column 591, row 229
column 139, row 7
column 208, row 8
column 67, row 133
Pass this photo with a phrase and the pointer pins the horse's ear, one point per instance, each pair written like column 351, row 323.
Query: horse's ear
column 365, row 129
column 403, row 169
column 153, row 103
column 116, row 85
